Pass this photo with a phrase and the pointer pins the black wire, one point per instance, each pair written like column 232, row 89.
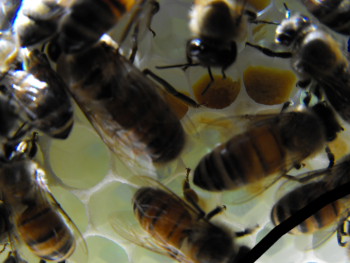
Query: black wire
column 287, row 225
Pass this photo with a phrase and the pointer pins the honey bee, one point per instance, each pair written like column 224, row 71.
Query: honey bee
column 180, row 230
column 38, row 22
column 42, row 95
column 316, row 56
column 36, row 218
column 87, row 20
column 217, row 26
column 273, row 145
column 122, row 104
column 310, row 186
column 332, row 13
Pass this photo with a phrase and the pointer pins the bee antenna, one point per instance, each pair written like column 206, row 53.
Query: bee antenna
column 287, row 10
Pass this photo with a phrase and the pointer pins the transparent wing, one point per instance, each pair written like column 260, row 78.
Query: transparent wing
column 80, row 253
column 136, row 235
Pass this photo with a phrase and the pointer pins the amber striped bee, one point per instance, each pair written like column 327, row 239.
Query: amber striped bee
column 35, row 217
column 87, row 20
column 217, row 27
column 270, row 146
column 126, row 108
column 332, row 13
column 38, row 22
column 310, row 186
column 42, row 95
column 318, row 58
column 180, row 230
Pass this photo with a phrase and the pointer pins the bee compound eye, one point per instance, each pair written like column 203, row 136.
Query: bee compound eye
column 194, row 47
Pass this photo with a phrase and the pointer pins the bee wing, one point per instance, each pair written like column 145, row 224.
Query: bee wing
column 155, row 184
column 139, row 237
column 80, row 253
column 334, row 176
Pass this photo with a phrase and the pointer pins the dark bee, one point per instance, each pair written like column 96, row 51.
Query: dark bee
column 42, row 95
column 36, row 218
column 217, row 26
column 180, row 230
column 316, row 56
column 273, row 145
column 332, row 13
column 87, row 20
column 37, row 22
column 122, row 104
column 311, row 186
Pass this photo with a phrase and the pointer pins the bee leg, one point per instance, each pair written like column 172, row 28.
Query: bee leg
column 4, row 247
column 183, row 66
column 269, row 52
column 136, row 16
column 22, row 131
column 245, row 232
column 155, row 10
column 191, row 196
column 330, row 156
column 211, row 81
column 171, row 90
column 33, row 148
column 285, row 106
column 340, row 234
column 215, row 211
column 134, row 42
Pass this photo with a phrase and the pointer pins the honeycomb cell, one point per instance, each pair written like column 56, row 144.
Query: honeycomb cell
column 103, row 250
column 269, row 86
column 221, row 93
column 259, row 5
column 81, row 160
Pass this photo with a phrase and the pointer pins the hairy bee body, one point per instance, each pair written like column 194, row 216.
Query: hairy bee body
column 45, row 232
column 123, row 105
column 317, row 56
column 36, row 221
column 38, row 22
column 42, row 94
column 87, row 20
column 301, row 196
column 216, row 26
column 181, row 231
column 332, row 13
column 272, row 145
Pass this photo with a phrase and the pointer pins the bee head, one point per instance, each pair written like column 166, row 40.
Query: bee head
column 213, row 244
column 211, row 54
column 290, row 29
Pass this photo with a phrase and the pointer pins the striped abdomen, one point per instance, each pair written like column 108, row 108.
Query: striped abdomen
column 244, row 159
column 299, row 198
column 123, row 105
column 146, row 121
column 46, row 234
column 160, row 214
column 87, row 20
